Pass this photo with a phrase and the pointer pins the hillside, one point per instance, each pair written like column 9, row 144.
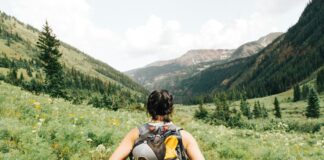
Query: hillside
column 287, row 61
column 17, row 44
column 37, row 127
column 166, row 74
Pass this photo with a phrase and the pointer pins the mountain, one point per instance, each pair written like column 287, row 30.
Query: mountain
column 193, row 57
column 166, row 74
column 287, row 61
column 250, row 48
column 18, row 47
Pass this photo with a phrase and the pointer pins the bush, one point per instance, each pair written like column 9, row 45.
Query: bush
column 4, row 134
column 306, row 127
column 201, row 113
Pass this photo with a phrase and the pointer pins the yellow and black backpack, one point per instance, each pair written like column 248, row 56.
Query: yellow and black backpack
column 158, row 141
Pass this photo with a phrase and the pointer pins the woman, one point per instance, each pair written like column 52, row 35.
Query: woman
column 145, row 142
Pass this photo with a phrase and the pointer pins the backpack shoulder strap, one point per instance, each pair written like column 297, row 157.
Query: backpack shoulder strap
column 143, row 132
column 181, row 147
column 143, row 129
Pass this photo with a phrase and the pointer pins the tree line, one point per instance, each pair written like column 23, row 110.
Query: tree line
column 231, row 117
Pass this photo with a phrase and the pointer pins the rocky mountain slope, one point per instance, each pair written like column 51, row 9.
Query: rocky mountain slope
column 165, row 74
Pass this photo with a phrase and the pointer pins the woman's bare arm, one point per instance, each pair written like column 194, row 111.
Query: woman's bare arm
column 126, row 146
column 191, row 146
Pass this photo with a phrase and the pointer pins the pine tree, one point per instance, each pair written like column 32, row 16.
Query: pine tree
column 49, row 57
column 12, row 76
column 8, row 42
column 313, row 108
column 222, row 111
column 257, row 110
column 277, row 108
column 305, row 91
column 201, row 113
column 264, row 112
column 245, row 108
column 21, row 78
column 296, row 93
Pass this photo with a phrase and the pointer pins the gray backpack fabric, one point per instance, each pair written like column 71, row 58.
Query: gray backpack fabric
column 150, row 144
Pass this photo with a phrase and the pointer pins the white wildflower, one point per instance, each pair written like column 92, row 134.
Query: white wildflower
column 101, row 148
column 89, row 140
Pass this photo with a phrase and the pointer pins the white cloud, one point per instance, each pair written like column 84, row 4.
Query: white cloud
column 154, row 40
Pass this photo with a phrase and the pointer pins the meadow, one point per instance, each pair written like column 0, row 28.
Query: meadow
column 39, row 127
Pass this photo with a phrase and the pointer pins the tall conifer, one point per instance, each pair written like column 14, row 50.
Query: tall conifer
column 277, row 108
column 49, row 56
column 313, row 108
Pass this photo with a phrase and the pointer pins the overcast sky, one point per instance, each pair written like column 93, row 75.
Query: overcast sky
column 128, row 34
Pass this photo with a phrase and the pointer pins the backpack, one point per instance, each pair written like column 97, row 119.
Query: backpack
column 158, row 141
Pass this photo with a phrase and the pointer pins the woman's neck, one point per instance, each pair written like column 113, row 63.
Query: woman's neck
column 158, row 118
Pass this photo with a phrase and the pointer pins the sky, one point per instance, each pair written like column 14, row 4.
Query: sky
column 128, row 34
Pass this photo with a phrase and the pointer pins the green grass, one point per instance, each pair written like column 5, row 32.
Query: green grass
column 38, row 127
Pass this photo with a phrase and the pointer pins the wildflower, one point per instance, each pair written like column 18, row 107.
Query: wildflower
column 89, row 140
column 38, row 107
column 71, row 115
column 101, row 148
column 34, row 131
column 115, row 122
column 36, row 103
column 41, row 120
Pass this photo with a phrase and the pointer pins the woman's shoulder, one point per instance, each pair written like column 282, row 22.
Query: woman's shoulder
column 187, row 138
column 133, row 133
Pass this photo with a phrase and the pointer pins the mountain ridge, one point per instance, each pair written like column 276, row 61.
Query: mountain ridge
column 288, row 60
column 165, row 74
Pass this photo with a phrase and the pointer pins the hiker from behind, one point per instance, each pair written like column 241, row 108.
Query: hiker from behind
column 158, row 139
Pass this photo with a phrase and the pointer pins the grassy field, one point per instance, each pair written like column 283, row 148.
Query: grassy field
column 38, row 127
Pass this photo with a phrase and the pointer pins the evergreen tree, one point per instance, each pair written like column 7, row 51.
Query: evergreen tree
column 305, row 91
column 49, row 57
column 313, row 108
column 12, row 76
column 21, row 78
column 8, row 42
column 320, row 81
column 264, row 112
column 201, row 113
column 277, row 108
column 257, row 110
column 245, row 108
column 296, row 93
column 29, row 72
column 222, row 112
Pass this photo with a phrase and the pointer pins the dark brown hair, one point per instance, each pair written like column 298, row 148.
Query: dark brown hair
column 160, row 102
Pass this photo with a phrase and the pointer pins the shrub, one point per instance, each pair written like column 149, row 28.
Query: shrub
column 201, row 113
column 4, row 134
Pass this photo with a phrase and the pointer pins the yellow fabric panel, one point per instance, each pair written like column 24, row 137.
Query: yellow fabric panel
column 170, row 144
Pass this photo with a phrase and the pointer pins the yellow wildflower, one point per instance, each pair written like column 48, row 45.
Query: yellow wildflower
column 71, row 115
column 115, row 122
